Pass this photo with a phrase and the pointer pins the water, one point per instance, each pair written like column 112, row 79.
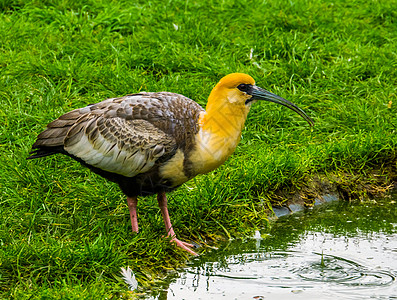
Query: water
column 337, row 251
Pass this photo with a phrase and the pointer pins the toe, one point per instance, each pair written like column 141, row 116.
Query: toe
column 185, row 246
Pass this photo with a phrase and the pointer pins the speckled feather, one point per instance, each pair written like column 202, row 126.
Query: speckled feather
column 127, row 139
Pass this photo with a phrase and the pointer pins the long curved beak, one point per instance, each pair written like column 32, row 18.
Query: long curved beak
column 261, row 94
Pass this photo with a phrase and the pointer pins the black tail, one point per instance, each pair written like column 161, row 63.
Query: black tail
column 45, row 151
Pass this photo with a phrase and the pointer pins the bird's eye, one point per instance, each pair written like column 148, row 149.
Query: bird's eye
column 243, row 87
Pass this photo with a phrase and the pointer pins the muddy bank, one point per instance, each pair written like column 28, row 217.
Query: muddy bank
column 320, row 188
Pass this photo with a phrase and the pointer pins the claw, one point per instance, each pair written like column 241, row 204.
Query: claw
column 184, row 246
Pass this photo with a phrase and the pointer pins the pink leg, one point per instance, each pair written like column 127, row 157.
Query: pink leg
column 132, row 204
column 162, row 200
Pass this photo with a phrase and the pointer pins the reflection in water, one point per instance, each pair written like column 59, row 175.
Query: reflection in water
column 347, row 251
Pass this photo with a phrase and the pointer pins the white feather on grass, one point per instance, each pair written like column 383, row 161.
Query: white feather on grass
column 129, row 278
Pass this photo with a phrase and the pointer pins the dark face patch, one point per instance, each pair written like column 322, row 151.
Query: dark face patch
column 248, row 89
column 245, row 88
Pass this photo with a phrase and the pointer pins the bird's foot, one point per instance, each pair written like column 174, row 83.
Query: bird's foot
column 185, row 246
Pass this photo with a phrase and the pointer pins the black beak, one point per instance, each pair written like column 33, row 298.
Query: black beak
column 261, row 94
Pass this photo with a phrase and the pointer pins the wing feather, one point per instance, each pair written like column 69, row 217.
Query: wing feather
column 125, row 147
column 126, row 135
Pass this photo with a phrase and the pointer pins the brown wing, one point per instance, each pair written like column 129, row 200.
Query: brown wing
column 124, row 135
column 116, row 145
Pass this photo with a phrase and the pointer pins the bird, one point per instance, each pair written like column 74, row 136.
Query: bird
column 153, row 142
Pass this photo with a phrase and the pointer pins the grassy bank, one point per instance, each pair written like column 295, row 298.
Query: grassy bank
column 65, row 232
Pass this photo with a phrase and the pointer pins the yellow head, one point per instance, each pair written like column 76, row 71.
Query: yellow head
column 227, row 95
column 230, row 100
column 223, row 121
column 226, row 109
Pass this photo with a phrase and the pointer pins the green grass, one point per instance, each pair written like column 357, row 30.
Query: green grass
column 65, row 232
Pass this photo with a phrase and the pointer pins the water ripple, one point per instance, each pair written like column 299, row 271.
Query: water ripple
column 288, row 268
column 330, row 268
